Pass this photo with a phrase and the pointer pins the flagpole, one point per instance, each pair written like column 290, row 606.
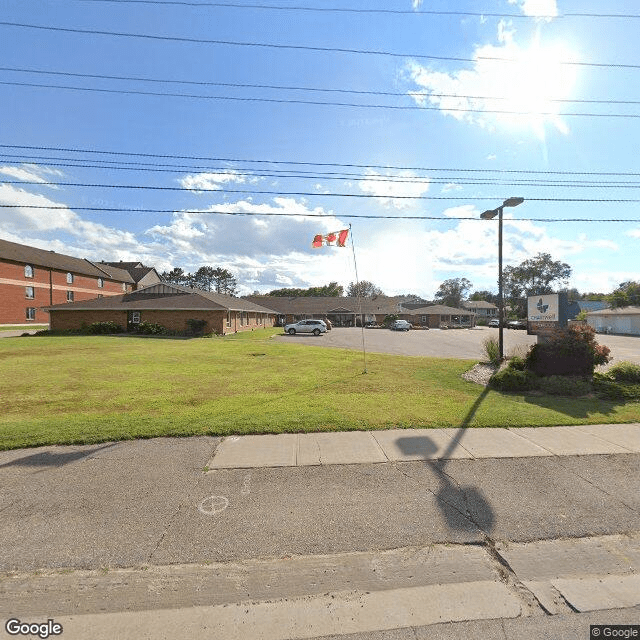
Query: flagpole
column 355, row 266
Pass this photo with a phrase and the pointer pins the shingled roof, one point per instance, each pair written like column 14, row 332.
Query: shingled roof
column 166, row 297
column 14, row 252
column 323, row 305
column 135, row 269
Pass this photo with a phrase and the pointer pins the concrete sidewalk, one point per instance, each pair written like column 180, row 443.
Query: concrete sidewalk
column 403, row 445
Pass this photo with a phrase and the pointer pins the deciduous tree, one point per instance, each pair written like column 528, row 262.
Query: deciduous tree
column 363, row 289
column 451, row 292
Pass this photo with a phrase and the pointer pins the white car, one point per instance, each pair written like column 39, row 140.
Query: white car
column 306, row 326
column 401, row 325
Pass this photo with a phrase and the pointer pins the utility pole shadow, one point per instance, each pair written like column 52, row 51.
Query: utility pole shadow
column 464, row 508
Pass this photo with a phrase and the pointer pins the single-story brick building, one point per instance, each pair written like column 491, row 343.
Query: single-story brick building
column 168, row 305
column 341, row 311
column 439, row 316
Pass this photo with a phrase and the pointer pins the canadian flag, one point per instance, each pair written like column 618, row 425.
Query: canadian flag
column 333, row 239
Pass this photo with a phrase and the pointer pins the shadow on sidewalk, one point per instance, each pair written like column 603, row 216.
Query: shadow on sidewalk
column 453, row 499
column 54, row 459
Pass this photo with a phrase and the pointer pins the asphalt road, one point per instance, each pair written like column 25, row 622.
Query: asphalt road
column 149, row 501
column 142, row 526
column 449, row 343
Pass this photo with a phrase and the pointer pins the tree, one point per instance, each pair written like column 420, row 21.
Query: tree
column 224, row 281
column 333, row 289
column 204, row 278
column 175, row 276
column 628, row 293
column 363, row 289
column 484, row 295
column 451, row 292
column 533, row 277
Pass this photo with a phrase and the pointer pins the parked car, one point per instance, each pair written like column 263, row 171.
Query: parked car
column 401, row 325
column 306, row 326
column 494, row 322
column 517, row 324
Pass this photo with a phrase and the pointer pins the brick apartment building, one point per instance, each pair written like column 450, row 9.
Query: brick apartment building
column 32, row 278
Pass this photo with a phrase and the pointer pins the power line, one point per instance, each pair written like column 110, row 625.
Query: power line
column 238, row 85
column 333, row 215
column 236, row 43
column 138, row 154
column 426, row 181
column 344, row 176
column 416, row 12
column 226, row 190
column 323, row 103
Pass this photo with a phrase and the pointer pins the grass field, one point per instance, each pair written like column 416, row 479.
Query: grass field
column 87, row 389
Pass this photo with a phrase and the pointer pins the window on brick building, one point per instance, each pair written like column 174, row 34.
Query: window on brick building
column 69, row 296
column 28, row 271
column 135, row 317
column 29, row 293
column 31, row 313
column 228, row 318
column 100, row 283
column 69, row 278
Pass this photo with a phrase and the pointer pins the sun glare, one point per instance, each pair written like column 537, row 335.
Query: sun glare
column 534, row 86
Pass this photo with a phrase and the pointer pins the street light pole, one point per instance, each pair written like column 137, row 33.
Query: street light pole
column 489, row 215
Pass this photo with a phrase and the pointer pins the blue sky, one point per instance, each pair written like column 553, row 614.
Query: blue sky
column 419, row 171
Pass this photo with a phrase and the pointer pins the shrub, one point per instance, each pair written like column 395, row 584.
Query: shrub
column 482, row 322
column 492, row 350
column 107, row 327
column 625, row 372
column 573, row 351
column 390, row 319
column 511, row 380
column 565, row 386
column 609, row 389
column 150, row 328
column 517, row 363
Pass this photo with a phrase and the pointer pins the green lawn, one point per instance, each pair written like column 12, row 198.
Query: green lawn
column 87, row 389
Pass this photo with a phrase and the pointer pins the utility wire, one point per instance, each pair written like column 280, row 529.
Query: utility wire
column 416, row 12
column 238, row 85
column 221, row 189
column 334, row 215
column 295, row 47
column 138, row 154
column 323, row 103
column 225, row 190
column 356, row 177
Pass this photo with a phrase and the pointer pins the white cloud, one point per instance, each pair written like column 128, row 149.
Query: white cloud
column 528, row 84
column 394, row 192
column 201, row 182
column 416, row 4
column 18, row 220
column 31, row 173
column 538, row 8
column 634, row 233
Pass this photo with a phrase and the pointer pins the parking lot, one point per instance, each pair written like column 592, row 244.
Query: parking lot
column 449, row 343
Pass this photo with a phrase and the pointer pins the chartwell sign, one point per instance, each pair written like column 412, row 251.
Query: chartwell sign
column 545, row 313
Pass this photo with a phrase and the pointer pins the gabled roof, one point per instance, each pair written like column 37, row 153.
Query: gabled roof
column 322, row 305
column 135, row 269
column 24, row 254
column 620, row 311
column 478, row 304
column 441, row 310
column 167, row 297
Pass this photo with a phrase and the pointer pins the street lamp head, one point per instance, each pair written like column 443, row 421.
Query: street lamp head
column 512, row 202
column 489, row 215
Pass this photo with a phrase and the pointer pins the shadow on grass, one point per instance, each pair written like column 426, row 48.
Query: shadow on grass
column 464, row 508
column 574, row 407
column 54, row 459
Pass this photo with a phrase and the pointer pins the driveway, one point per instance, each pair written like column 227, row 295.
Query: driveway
column 449, row 343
